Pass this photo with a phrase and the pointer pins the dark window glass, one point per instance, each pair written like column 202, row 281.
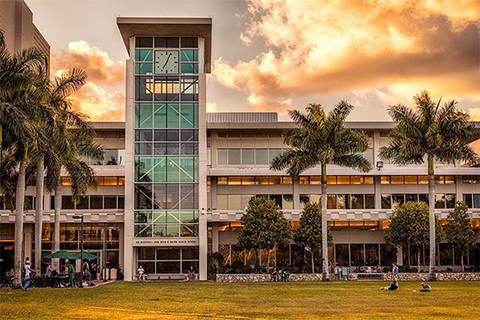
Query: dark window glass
column 343, row 201
column 371, row 254
column 189, row 89
column 189, row 42
column 386, row 201
column 67, row 202
column 388, row 254
column 166, row 42
column 143, row 89
column 369, row 201
column 168, row 253
column 168, row 267
column 189, row 148
column 411, row 197
column 189, row 135
column 467, row 198
column 160, row 149
column 446, row 254
column 82, row 203
column 277, row 198
column 143, row 196
column 172, row 135
column 332, row 201
column 172, row 149
column 440, row 201
column 121, row 202
column 423, row 197
column 167, row 89
column 144, row 42
column 110, row 202
column 342, row 255
column 357, row 201
column 96, row 202
column 398, row 200
column 189, row 198
column 143, row 135
column 450, row 200
column 160, row 135
column 357, row 254
column 146, row 253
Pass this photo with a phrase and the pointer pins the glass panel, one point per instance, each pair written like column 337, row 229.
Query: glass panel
column 173, row 169
column 388, row 254
column 189, row 42
column 398, row 200
column 331, row 201
column 168, row 267
column 173, row 115
column 166, row 42
column 234, row 157
column 342, row 255
column 396, row 180
column 160, row 116
column 188, row 169
column 222, row 181
column 222, row 202
column 110, row 202
column 143, row 115
column 248, row 156
column 143, row 55
column 385, row 180
column 261, row 156
column 315, row 180
column 111, row 181
column 468, row 199
column 189, row 68
column 143, row 169
column 143, row 88
column 142, row 230
column 331, row 179
column 386, row 201
column 143, row 196
column 466, row 179
column 368, row 180
column 189, row 55
column 450, row 200
column 357, row 254
column 173, row 197
column 248, row 181
column 371, row 254
column 343, row 201
column 369, row 201
column 144, row 68
column 272, row 153
column 189, row 115
column 304, row 180
column 422, row 179
column 357, row 201
column 234, row 181
column 222, row 156
column 343, row 179
column 67, row 202
column 144, row 42
column 356, row 180
column 449, row 179
column 410, row 179
column 440, row 201
column 476, row 201
column 411, row 197
column 262, row 180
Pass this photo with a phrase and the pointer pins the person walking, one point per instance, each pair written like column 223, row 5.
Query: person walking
column 48, row 275
column 28, row 272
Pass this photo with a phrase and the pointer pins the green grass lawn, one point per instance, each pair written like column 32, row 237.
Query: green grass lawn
column 199, row 300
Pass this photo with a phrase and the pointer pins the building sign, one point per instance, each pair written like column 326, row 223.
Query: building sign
column 149, row 242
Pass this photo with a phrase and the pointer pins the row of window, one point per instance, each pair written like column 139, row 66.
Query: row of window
column 416, row 179
column 442, row 200
column 166, row 42
column 342, row 201
column 157, row 260
column 70, row 232
column 170, row 135
column 172, row 196
column 112, row 157
column 240, row 202
column 187, row 68
column 166, row 115
column 287, row 180
column 166, row 149
column 101, row 181
column 470, row 179
column 239, row 156
column 92, row 202
column 472, row 200
column 166, row 169
column 165, row 230
column 166, row 88
column 184, row 216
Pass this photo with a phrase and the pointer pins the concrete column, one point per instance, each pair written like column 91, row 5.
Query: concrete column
column 296, row 194
column 128, row 259
column 121, row 247
column 28, row 238
column 399, row 256
column 214, row 193
column 202, row 163
column 215, row 238
column 378, row 192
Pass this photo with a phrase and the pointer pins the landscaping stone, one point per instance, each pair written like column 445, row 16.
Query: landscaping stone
column 295, row 277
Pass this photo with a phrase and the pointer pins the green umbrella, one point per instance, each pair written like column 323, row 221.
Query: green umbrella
column 61, row 255
column 86, row 256
column 1, row 260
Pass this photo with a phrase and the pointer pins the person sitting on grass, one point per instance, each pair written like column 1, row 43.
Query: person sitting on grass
column 392, row 287
column 426, row 287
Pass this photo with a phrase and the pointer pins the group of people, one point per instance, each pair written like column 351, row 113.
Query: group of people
column 394, row 286
column 279, row 275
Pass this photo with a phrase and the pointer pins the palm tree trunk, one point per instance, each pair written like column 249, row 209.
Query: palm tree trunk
column 38, row 214
column 431, row 211
column 463, row 266
column 56, row 235
column 418, row 259
column 325, row 276
column 19, row 209
column 313, row 261
column 268, row 260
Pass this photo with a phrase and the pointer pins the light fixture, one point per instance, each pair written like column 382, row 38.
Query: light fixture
column 203, row 211
column 379, row 165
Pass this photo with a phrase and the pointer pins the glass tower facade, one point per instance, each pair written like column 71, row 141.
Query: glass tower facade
column 166, row 137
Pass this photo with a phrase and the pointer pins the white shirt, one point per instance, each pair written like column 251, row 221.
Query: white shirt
column 27, row 271
column 141, row 270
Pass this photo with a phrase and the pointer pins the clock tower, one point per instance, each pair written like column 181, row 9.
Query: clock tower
column 165, row 228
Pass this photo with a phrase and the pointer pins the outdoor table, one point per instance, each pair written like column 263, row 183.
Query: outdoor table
column 60, row 279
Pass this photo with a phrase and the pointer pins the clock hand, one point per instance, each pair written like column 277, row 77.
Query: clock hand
column 167, row 61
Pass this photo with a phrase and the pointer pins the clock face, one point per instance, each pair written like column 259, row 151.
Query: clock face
column 166, row 62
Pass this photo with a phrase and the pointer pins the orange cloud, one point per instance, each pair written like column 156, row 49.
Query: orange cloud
column 328, row 46
column 103, row 97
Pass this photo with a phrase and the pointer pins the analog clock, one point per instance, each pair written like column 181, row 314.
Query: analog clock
column 166, row 62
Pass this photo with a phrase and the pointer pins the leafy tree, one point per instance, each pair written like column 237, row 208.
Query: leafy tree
column 322, row 139
column 309, row 233
column 264, row 227
column 410, row 227
column 430, row 132
column 459, row 229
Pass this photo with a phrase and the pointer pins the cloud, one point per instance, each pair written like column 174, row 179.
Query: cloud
column 102, row 98
column 316, row 47
column 212, row 107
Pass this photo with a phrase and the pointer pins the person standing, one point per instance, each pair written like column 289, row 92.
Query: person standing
column 48, row 275
column 28, row 272
column 395, row 271
column 71, row 273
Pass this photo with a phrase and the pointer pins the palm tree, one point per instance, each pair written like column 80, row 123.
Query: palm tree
column 72, row 138
column 20, row 105
column 429, row 132
column 322, row 139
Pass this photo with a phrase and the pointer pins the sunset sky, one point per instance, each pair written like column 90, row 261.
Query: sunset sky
column 273, row 55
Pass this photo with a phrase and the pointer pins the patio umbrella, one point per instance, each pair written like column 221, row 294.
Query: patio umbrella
column 86, row 256
column 1, row 260
column 62, row 255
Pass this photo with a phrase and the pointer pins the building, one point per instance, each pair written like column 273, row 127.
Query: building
column 175, row 180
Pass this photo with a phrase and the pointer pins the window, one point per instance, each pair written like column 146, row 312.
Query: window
column 96, row 202
column 144, row 42
column 397, row 200
column 386, row 201
column 332, row 201
column 67, row 202
column 167, row 89
column 356, row 179
column 343, row 179
column 248, row 156
column 234, row 157
column 110, row 202
column 166, row 42
column 396, row 180
column 189, row 42
column 385, row 180
column 143, row 88
column 439, row 201
column 357, row 201
column 189, row 89
column 468, row 199
column 369, row 201
column 410, row 179
column 144, row 55
column 261, row 156
column 222, row 156
column 343, row 201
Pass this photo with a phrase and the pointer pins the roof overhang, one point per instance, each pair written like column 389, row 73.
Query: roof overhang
column 165, row 27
